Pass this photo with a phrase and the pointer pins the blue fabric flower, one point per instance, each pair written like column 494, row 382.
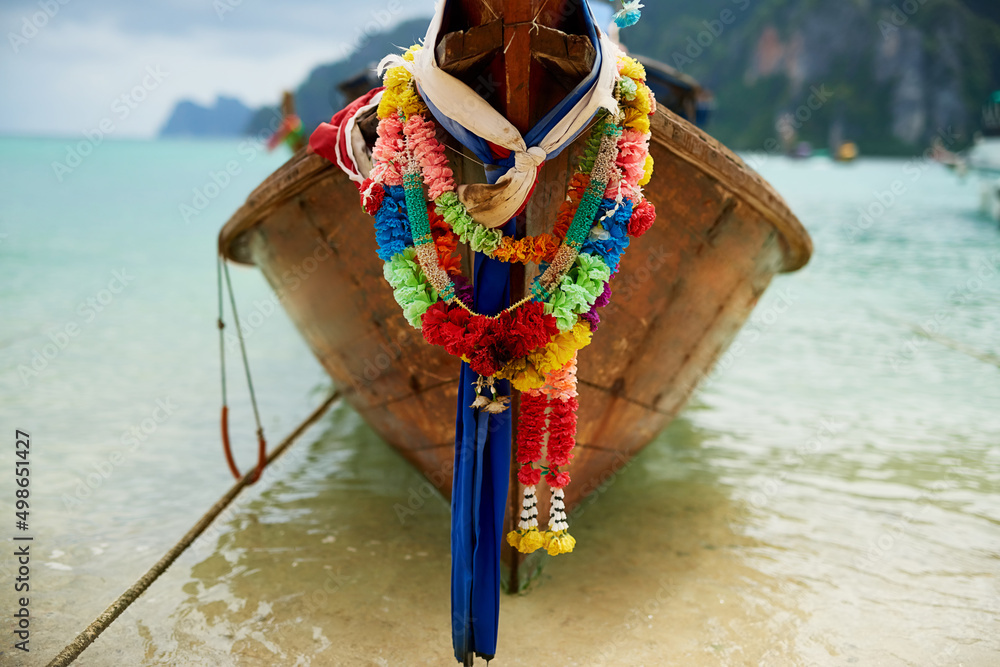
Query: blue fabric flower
column 392, row 225
column 610, row 237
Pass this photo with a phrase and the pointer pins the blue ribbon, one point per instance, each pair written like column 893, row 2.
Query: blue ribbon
column 483, row 440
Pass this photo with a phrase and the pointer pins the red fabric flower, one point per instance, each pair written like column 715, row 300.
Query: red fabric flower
column 483, row 362
column 643, row 216
column 557, row 480
column 531, row 427
column 562, row 432
column 529, row 476
column 372, row 195
column 454, row 332
column 432, row 321
column 534, row 326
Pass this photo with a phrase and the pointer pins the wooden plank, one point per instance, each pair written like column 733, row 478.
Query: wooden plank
column 462, row 51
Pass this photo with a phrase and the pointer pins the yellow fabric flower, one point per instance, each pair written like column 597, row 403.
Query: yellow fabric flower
column 647, row 170
column 528, row 379
column 514, row 538
column 397, row 79
column 527, row 374
column 410, row 103
column 641, row 101
column 389, row 104
column 560, row 349
column 410, row 52
column 560, row 543
column 637, row 120
column 633, row 69
column 530, row 541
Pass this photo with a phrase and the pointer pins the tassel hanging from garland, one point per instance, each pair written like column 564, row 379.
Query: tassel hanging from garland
column 629, row 14
column 558, row 541
column 549, row 411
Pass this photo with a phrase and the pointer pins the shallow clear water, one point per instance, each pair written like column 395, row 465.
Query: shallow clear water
column 830, row 496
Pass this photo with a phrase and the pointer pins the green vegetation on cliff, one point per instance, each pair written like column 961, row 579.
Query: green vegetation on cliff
column 889, row 75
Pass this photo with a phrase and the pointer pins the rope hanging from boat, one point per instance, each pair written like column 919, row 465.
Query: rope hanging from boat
column 118, row 607
column 222, row 267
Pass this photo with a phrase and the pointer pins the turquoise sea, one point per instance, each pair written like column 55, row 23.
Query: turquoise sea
column 830, row 496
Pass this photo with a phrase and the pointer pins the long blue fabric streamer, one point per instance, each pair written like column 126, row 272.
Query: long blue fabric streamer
column 483, row 440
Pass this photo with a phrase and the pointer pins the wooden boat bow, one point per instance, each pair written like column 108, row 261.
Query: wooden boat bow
column 690, row 283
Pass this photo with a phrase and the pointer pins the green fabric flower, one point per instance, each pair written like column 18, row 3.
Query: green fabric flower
column 410, row 287
column 479, row 238
column 578, row 290
column 628, row 88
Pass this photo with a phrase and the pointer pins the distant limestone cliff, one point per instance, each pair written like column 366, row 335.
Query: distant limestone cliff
column 318, row 97
column 228, row 117
column 890, row 75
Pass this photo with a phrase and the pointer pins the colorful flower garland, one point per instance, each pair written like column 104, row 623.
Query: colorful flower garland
column 534, row 342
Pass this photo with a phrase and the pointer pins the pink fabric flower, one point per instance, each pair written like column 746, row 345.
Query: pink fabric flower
column 427, row 150
column 633, row 147
column 389, row 153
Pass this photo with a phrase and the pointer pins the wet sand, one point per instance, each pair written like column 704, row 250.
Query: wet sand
column 318, row 569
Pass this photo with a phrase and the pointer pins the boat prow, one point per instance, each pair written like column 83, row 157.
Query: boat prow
column 686, row 288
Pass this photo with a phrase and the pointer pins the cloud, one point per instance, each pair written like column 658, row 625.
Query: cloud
column 65, row 79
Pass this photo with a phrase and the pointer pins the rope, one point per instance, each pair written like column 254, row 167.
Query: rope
column 261, row 442
column 101, row 623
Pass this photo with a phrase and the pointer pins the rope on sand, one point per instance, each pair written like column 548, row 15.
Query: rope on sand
column 101, row 623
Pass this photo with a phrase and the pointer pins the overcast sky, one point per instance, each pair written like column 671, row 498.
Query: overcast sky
column 65, row 77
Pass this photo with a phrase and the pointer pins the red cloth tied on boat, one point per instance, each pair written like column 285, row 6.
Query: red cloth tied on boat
column 333, row 141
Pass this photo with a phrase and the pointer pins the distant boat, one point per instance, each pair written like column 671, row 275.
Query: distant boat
column 846, row 152
column 983, row 159
column 802, row 150
column 685, row 289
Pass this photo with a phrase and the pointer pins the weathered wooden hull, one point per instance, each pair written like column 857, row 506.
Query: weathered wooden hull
column 684, row 290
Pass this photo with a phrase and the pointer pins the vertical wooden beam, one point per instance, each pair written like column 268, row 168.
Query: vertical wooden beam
column 517, row 16
column 517, row 61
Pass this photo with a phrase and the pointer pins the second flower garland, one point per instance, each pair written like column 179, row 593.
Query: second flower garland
column 534, row 342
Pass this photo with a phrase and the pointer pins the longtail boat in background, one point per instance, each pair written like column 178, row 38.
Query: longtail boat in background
column 685, row 287
column 983, row 159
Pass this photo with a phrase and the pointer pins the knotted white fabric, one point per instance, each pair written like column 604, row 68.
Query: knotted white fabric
column 493, row 205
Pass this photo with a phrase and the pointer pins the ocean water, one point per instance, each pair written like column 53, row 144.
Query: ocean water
column 830, row 496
